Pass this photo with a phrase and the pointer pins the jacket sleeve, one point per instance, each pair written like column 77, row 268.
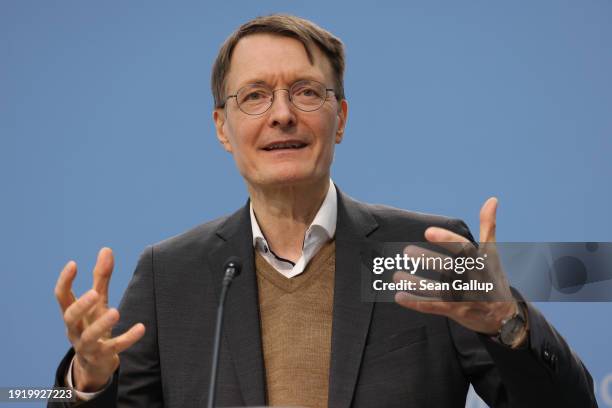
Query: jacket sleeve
column 137, row 381
column 545, row 372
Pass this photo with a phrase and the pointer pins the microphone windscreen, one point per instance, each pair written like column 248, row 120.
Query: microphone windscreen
column 235, row 263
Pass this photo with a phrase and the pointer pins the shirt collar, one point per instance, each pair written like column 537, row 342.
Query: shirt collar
column 325, row 218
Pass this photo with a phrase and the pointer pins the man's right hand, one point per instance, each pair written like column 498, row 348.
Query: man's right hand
column 89, row 322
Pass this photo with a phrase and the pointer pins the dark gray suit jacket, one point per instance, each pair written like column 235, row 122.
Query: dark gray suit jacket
column 382, row 355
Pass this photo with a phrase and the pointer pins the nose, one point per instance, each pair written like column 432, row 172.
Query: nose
column 282, row 113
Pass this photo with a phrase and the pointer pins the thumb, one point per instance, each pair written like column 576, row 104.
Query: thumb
column 488, row 220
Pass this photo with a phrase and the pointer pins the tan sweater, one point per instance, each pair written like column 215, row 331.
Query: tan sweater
column 296, row 323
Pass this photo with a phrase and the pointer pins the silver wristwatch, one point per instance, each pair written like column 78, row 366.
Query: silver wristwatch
column 512, row 327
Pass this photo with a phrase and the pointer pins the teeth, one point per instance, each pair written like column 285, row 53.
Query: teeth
column 285, row 146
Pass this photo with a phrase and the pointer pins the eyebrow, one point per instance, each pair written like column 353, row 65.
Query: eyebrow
column 262, row 82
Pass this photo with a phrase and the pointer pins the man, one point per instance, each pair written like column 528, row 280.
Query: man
column 296, row 330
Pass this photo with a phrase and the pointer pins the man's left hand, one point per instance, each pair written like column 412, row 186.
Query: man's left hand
column 482, row 315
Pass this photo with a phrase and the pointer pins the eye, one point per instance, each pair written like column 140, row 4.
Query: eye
column 253, row 96
column 307, row 92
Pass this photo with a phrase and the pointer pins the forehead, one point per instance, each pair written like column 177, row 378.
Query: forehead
column 275, row 60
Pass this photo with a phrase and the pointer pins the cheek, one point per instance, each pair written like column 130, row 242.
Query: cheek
column 326, row 141
column 328, row 129
column 243, row 137
column 238, row 134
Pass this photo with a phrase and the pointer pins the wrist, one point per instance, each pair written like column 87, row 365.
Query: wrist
column 84, row 382
column 513, row 330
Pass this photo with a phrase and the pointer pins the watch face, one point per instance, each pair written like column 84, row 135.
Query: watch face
column 509, row 331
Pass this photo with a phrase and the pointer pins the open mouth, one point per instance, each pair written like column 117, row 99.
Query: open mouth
column 284, row 146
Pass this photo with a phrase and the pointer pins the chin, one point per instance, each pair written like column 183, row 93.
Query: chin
column 287, row 177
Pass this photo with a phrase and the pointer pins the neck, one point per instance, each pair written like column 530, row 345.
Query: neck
column 285, row 212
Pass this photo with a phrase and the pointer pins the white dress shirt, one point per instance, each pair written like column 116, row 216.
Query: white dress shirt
column 320, row 231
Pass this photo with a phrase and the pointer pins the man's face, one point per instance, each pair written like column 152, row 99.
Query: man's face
column 279, row 62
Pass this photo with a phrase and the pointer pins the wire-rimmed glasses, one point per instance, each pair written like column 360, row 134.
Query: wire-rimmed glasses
column 306, row 95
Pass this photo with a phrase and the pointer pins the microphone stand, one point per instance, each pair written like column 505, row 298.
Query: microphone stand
column 232, row 269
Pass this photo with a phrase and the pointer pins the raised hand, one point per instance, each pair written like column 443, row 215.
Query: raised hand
column 89, row 322
column 484, row 315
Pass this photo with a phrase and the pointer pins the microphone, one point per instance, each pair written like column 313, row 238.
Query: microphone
column 231, row 269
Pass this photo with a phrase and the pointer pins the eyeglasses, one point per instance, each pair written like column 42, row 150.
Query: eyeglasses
column 306, row 95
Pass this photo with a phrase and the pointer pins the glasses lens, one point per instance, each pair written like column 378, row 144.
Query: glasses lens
column 254, row 99
column 308, row 95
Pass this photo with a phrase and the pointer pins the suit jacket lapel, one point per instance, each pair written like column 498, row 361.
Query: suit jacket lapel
column 351, row 316
column 241, row 322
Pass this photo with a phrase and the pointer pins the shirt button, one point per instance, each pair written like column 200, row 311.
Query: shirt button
column 546, row 355
column 266, row 249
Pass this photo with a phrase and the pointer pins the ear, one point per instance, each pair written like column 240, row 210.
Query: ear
column 342, row 116
column 219, row 117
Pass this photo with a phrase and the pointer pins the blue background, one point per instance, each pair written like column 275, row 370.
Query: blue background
column 106, row 136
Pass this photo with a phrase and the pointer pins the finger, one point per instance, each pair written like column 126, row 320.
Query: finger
column 424, row 288
column 488, row 220
column 449, row 240
column 102, row 273
column 78, row 310
column 453, row 310
column 97, row 330
column 63, row 287
column 422, row 304
column 127, row 339
column 416, row 251
column 425, row 260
